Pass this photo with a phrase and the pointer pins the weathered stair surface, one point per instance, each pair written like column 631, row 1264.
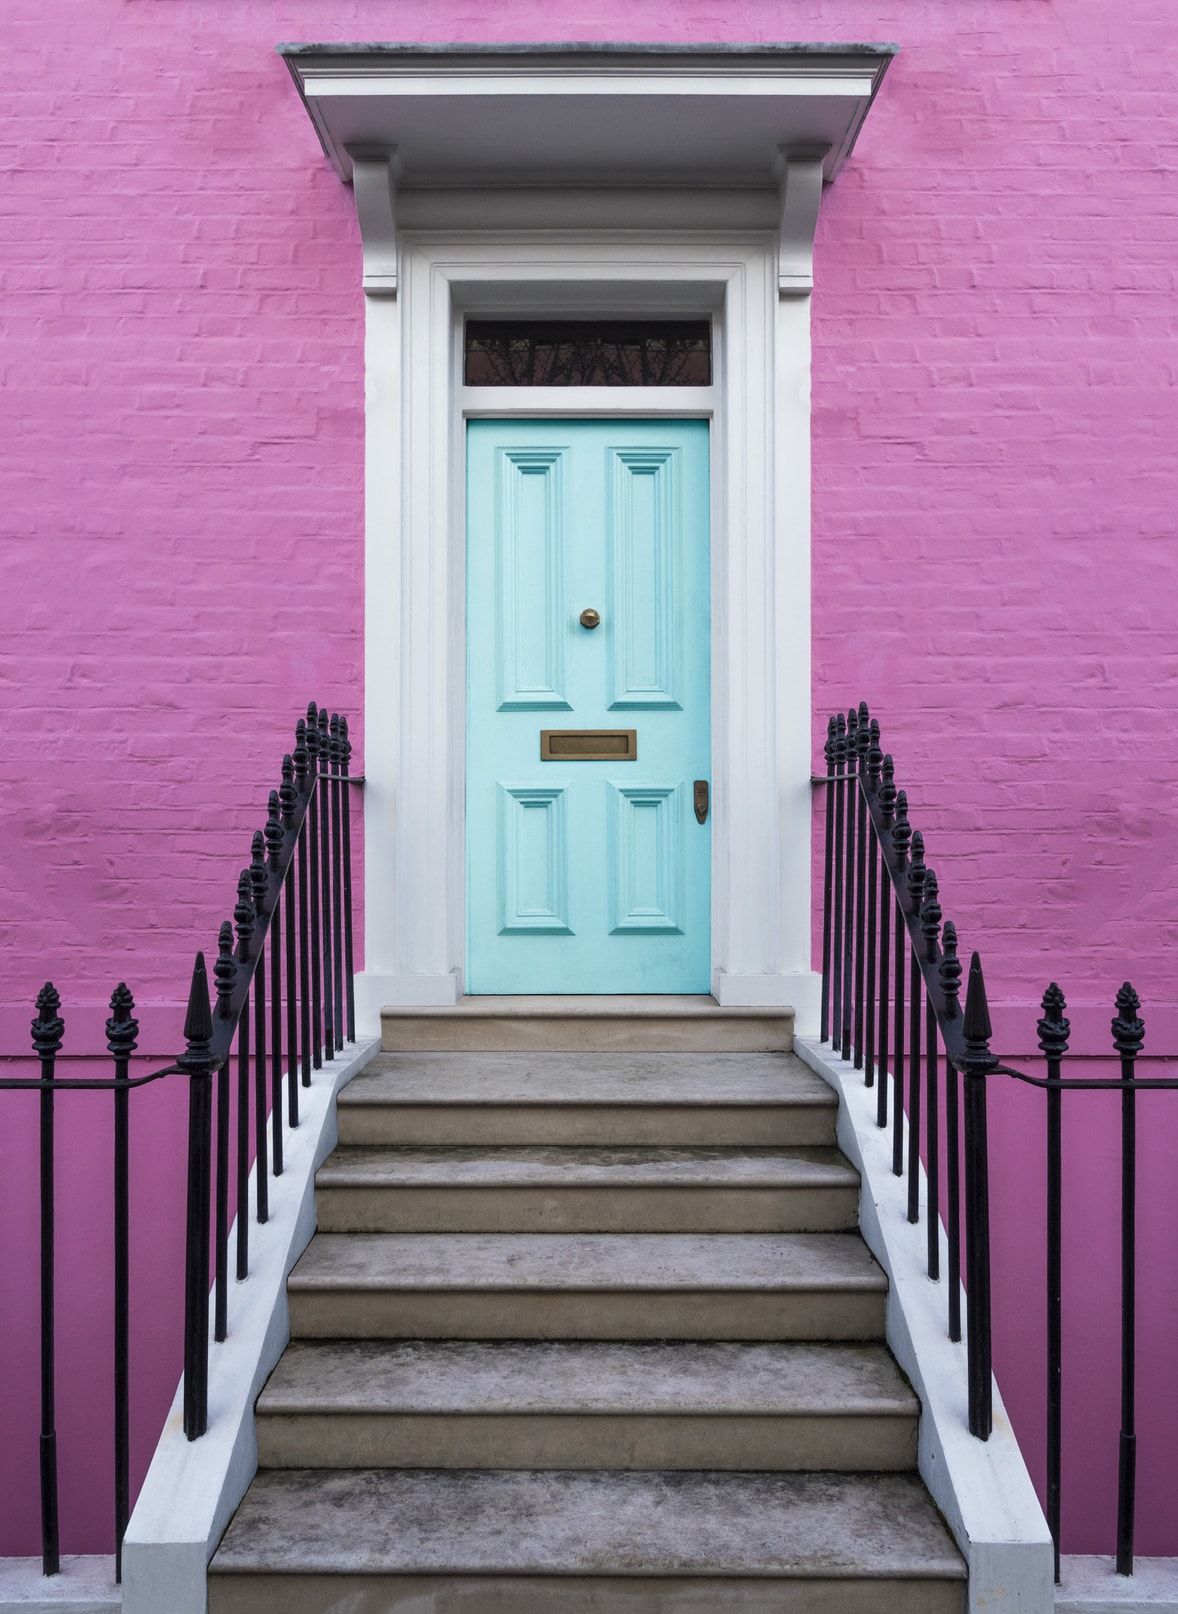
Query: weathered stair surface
column 587, row 1328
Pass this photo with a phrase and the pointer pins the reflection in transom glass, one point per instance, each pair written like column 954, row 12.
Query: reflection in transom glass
column 588, row 353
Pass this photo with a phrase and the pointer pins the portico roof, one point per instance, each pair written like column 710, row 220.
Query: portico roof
column 588, row 114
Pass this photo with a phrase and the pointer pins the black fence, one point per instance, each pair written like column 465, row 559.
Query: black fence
column 891, row 982
column 283, row 980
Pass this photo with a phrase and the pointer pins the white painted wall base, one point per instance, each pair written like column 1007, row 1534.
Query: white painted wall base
column 193, row 1487
column 982, row 1487
column 376, row 992
column 1092, row 1586
column 799, row 992
column 86, row 1585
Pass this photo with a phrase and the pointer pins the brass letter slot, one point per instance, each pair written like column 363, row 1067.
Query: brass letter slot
column 588, row 745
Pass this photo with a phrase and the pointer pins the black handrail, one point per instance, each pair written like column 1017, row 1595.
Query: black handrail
column 874, row 873
column 310, row 809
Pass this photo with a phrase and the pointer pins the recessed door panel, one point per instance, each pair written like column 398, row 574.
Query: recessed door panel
column 529, row 540
column 587, row 596
column 645, row 578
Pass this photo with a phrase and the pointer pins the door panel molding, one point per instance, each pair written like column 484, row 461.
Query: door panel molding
column 643, row 580
column 530, row 536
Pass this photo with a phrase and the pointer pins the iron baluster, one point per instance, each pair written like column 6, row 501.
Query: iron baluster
column 836, row 985
column 197, row 1064
column 901, row 835
column 1128, row 1036
column 349, row 971
column 916, row 873
column 301, row 764
column 287, row 797
column 976, row 1063
column 887, row 808
column 930, row 926
column 261, row 1153
column 273, row 835
column 225, row 978
column 949, row 975
column 243, row 919
column 312, row 842
column 874, row 766
column 851, row 791
column 1054, row 1031
column 827, row 883
column 122, row 1032
column 863, row 745
column 325, row 873
column 337, row 917
column 48, row 1030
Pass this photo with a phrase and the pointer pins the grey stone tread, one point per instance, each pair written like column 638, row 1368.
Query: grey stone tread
column 818, row 1526
column 431, row 1377
column 552, row 1079
column 575, row 1262
column 560, row 1167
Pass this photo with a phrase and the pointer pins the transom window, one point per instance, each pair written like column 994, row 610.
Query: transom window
column 588, row 353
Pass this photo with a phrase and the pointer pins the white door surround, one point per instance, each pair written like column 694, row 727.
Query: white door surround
column 536, row 245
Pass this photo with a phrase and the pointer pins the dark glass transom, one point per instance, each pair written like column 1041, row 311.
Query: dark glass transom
column 588, row 353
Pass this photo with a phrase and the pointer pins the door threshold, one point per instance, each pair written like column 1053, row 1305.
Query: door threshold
column 619, row 1023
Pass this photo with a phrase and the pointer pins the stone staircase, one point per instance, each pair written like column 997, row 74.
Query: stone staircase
column 587, row 1326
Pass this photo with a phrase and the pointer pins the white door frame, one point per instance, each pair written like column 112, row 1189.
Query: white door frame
column 414, row 742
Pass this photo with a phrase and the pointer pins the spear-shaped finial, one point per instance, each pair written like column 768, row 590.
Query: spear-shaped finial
column 198, row 1022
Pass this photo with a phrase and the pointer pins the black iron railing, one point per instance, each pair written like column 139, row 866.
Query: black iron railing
column 284, row 1004
column 891, row 1005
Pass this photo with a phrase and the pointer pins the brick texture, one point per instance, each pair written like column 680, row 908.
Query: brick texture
column 181, row 516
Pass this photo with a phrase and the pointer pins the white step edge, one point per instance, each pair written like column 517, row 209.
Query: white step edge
column 982, row 1487
column 1092, row 1586
column 193, row 1487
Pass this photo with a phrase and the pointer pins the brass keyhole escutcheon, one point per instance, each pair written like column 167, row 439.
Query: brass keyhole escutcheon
column 589, row 618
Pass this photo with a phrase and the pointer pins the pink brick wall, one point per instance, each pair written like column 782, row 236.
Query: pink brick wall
column 180, row 496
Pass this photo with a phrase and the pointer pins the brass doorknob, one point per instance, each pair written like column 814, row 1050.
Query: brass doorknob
column 590, row 618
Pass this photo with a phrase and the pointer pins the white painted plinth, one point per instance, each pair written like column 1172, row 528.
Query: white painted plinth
column 193, row 1487
column 86, row 1585
column 981, row 1486
column 1092, row 1586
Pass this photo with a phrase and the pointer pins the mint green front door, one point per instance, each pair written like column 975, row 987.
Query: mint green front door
column 587, row 874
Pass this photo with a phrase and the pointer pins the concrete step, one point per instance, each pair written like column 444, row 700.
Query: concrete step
column 585, row 1190
column 485, row 1542
column 577, row 1024
column 764, row 1100
column 426, row 1404
column 787, row 1286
